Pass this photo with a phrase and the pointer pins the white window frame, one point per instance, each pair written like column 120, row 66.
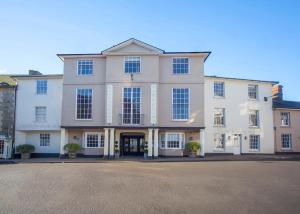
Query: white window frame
column 283, row 135
column 257, row 118
column 219, row 82
column 189, row 103
column 188, row 71
column 77, row 68
column 166, row 134
column 35, row 114
column 258, row 143
column 124, row 64
column 220, row 140
column 289, row 119
column 100, row 136
column 42, row 140
column 224, row 117
column 46, row 86
column 256, row 92
column 76, row 104
column 141, row 99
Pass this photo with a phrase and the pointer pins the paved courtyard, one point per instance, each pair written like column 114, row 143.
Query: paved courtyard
column 147, row 187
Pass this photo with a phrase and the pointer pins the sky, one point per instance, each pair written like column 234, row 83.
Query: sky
column 257, row 39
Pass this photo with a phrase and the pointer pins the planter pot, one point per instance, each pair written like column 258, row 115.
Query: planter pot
column 193, row 154
column 25, row 155
column 72, row 155
column 146, row 155
column 117, row 155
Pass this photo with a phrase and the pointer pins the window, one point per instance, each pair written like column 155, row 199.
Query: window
column 285, row 118
column 180, row 65
column 181, row 103
column 102, row 141
column 84, row 104
column 286, row 141
column 93, row 140
column 172, row 141
column 45, row 139
column 41, row 87
column 219, row 117
column 85, row 67
column 254, row 142
column 219, row 89
column 253, row 118
column 132, row 64
column 40, row 113
column 131, row 106
column 219, row 140
column 252, row 91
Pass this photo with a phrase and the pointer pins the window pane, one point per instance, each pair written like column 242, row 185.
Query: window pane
column 92, row 140
column 219, row 89
column 132, row 106
column 219, row 117
column 254, row 142
column 40, row 113
column 180, row 103
column 85, row 67
column 84, row 103
column 252, row 91
column 180, row 65
column 253, row 118
column 132, row 64
column 286, row 141
column 41, row 86
column 44, row 139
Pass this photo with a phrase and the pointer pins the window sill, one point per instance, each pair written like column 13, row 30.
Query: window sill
column 180, row 120
column 219, row 126
column 171, row 148
column 83, row 119
column 254, row 127
column 252, row 99
column 219, row 97
column 253, row 150
column 286, row 149
column 219, row 150
column 181, row 73
column 285, row 126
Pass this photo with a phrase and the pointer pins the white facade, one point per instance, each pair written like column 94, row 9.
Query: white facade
column 38, row 115
column 236, row 105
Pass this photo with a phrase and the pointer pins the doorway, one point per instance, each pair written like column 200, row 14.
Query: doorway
column 237, row 144
column 132, row 145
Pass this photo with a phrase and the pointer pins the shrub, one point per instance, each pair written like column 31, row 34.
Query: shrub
column 192, row 147
column 116, row 146
column 25, row 148
column 145, row 146
column 72, row 147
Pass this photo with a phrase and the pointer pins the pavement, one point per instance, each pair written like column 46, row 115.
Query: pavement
column 151, row 187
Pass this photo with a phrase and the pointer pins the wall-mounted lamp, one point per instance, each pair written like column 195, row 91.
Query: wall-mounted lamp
column 245, row 137
column 273, row 96
column 131, row 76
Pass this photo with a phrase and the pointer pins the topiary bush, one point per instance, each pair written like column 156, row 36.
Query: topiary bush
column 25, row 148
column 192, row 147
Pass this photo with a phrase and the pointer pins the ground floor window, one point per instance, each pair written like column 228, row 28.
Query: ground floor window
column 94, row 140
column 286, row 141
column 44, row 139
column 219, row 141
column 254, row 142
column 172, row 141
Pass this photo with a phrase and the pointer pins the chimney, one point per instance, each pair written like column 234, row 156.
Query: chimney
column 277, row 92
column 34, row 73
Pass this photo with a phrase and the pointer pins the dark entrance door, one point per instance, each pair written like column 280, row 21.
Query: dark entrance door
column 132, row 145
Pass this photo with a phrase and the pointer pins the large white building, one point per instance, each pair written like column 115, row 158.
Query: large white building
column 38, row 112
column 238, row 116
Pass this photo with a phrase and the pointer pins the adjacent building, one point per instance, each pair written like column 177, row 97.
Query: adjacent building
column 38, row 112
column 286, row 123
column 238, row 116
column 7, row 114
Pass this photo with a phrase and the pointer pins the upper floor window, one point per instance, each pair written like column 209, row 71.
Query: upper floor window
column 131, row 106
column 84, row 101
column 85, row 67
column 219, row 117
column 252, row 92
column 132, row 64
column 180, row 65
column 41, row 86
column 172, row 141
column 44, row 139
column 219, row 89
column 40, row 113
column 254, row 143
column 219, row 140
column 286, row 141
column 285, row 118
column 181, row 103
column 254, row 118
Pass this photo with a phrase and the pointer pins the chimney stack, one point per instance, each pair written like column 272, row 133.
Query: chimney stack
column 277, row 92
column 34, row 73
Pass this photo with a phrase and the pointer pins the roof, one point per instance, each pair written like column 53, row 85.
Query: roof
column 7, row 81
column 243, row 79
column 37, row 76
column 130, row 41
column 286, row 104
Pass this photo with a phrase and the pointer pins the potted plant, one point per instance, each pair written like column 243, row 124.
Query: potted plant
column 117, row 151
column 192, row 148
column 25, row 150
column 145, row 150
column 72, row 149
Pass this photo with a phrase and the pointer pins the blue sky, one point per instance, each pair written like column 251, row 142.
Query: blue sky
column 248, row 39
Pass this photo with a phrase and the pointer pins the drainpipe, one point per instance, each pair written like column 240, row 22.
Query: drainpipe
column 14, row 124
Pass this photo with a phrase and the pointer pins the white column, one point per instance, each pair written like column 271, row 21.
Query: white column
column 63, row 140
column 106, row 142
column 150, row 135
column 155, row 143
column 153, row 104
column 109, row 103
column 202, row 142
column 112, row 142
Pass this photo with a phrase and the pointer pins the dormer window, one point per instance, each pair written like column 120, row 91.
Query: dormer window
column 180, row 65
column 84, row 67
column 132, row 64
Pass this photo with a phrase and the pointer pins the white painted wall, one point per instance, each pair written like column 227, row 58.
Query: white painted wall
column 237, row 104
column 27, row 129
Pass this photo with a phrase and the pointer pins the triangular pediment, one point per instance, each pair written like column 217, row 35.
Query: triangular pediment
column 132, row 46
